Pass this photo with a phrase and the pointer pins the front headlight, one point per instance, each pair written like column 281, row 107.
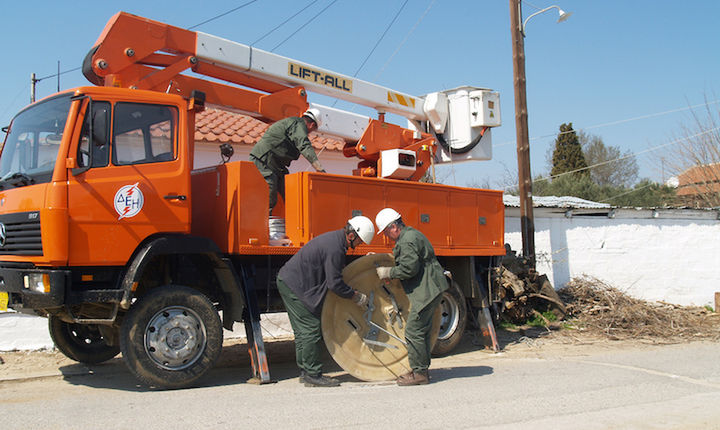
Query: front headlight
column 37, row 282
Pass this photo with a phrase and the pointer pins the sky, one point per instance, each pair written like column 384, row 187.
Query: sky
column 628, row 72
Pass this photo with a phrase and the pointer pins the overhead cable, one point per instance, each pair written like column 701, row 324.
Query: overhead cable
column 627, row 192
column 57, row 74
column 303, row 26
column 530, row 4
column 407, row 36
column 10, row 105
column 381, row 38
column 654, row 148
column 222, row 14
column 617, row 122
column 284, row 22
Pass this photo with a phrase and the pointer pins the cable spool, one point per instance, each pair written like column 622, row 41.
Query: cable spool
column 370, row 352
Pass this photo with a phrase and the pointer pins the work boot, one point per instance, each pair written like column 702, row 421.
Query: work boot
column 320, row 380
column 416, row 377
column 405, row 375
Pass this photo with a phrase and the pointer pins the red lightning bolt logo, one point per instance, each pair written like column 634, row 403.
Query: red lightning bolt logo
column 128, row 194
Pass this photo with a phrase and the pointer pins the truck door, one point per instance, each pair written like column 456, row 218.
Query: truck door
column 129, row 181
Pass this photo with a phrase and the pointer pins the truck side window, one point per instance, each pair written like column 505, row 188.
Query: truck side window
column 143, row 133
column 100, row 119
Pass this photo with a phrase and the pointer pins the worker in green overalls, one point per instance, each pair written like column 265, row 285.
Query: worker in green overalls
column 423, row 280
column 283, row 143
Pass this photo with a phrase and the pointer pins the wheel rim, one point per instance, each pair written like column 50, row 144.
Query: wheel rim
column 84, row 335
column 175, row 338
column 450, row 316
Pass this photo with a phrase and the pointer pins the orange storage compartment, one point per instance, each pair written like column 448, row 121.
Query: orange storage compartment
column 229, row 206
column 458, row 221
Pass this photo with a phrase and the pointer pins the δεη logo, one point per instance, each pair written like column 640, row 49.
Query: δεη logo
column 129, row 201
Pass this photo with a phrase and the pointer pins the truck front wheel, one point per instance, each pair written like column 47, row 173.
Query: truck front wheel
column 80, row 342
column 171, row 337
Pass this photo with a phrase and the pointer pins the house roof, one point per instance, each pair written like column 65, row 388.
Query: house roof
column 219, row 126
column 700, row 179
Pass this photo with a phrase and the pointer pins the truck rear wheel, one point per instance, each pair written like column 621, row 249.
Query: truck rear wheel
column 453, row 311
column 171, row 337
column 80, row 342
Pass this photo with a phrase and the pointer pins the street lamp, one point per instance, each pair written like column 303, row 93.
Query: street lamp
column 527, row 222
column 562, row 16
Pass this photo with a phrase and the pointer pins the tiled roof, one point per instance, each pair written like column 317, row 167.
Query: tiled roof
column 219, row 126
column 699, row 180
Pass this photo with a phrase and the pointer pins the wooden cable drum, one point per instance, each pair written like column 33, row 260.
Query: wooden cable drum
column 369, row 343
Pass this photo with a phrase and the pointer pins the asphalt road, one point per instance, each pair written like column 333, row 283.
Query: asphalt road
column 532, row 384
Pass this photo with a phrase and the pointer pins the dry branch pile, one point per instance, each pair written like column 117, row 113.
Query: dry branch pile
column 597, row 308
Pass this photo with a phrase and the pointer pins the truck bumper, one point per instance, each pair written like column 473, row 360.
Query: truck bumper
column 33, row 288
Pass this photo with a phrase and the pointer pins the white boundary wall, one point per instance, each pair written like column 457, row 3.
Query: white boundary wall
column 656, row 255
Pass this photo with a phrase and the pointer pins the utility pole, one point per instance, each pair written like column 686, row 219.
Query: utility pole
column 33, row 81
column 527, row 219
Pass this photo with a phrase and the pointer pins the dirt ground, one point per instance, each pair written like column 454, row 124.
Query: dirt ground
column 521, row 342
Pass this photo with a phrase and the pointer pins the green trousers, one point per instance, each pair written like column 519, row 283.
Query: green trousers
column 307, row 329
column 418, row 335
column 274, row 179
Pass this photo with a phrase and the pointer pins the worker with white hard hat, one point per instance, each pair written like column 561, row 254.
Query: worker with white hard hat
column 303, row 283
column 423, row 280
column 283, row 143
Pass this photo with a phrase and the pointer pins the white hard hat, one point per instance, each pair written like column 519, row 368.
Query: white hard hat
column 385, row 217
column 363, row 227
column 314, row 115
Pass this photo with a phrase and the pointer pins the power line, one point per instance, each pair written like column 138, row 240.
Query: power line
column 627, row 192
column 57, row 74
column 530, row 4
column 376, row 45
column 222, row 14
column 284, row 22
column 12, row 103
column 652, row 115
column 381, row 38
column 303, row 26
column 654, row 148
column 407, row 36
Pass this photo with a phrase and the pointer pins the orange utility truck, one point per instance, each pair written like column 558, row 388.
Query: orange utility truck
column 108, row 231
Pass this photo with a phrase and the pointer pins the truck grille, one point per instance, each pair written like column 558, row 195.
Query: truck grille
column 20, row 234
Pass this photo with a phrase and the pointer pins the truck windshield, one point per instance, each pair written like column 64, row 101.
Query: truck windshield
column 31, row 146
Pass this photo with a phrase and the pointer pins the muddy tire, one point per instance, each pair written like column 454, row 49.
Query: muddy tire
column 453, row 309
column 171, row 337
column 80, row 342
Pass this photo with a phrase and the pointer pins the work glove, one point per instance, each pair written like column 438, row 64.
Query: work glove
column 383, row 272
column 360, row 299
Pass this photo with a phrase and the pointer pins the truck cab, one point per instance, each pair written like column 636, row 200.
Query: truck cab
column 87, row 175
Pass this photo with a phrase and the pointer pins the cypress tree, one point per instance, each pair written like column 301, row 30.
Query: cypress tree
column 568, row 155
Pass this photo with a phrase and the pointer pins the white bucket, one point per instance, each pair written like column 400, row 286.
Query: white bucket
column 277, row 228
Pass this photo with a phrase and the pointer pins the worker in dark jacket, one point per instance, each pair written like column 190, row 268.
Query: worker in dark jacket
column 283, row 143
column 303, row 283
column 423, row 280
